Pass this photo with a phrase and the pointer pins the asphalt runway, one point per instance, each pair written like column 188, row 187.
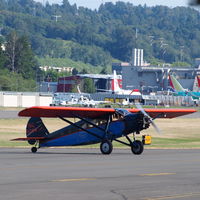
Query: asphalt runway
column 86, row 174
column 8, row 114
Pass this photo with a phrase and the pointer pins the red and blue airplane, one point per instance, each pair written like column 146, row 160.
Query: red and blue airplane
column 95, row 125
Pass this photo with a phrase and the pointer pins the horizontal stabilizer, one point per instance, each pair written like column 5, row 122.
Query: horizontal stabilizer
column 28, row 138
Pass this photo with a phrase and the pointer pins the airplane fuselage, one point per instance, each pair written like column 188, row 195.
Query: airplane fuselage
column 194, row 95
column 71, row 136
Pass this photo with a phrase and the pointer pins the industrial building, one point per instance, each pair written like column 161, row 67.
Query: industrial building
column 102, row 82
column 147, row 78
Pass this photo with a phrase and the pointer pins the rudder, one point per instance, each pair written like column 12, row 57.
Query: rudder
column 36, row 128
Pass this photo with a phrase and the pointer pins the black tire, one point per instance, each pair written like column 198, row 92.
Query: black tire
column 137, row 147
column 106, row 147
column 34, row 149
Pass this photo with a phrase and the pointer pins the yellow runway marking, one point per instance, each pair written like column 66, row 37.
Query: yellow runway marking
column 178, row 196
column 157, row 174
column 74, row 179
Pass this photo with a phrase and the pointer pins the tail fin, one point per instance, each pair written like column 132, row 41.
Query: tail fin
column 116, row 84
column 78, row 88
column 198, row 80
column 175, row 84
column 196, row 85
column 36, row 128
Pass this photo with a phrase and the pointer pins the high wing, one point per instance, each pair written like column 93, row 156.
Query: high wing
column 69, row 112
column 93, row 113
column 167, row 112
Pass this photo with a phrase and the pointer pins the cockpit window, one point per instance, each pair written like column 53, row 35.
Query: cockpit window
column 122, row 112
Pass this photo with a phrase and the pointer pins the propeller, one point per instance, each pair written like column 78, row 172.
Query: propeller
column 139, row 107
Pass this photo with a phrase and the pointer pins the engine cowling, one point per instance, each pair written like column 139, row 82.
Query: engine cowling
column 136, row 122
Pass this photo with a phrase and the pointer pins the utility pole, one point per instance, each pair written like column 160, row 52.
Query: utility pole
column 136, row 33
column 151, row 37
column 56, row 17
column 163, row 47
column 181, row 53
column 1, row 30
column 136, row 36
column 134, row 46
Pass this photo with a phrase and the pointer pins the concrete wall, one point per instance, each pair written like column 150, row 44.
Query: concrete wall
column 18, row 99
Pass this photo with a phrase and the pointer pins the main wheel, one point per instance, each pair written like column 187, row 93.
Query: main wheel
column 137, row 147
column 34, row 149
column 106, row 147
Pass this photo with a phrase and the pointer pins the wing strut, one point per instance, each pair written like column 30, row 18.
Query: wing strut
column 93, row 134
column 107, row 133
column 89, row 122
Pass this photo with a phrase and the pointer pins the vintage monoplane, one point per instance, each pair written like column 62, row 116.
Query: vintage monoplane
column 95, row 125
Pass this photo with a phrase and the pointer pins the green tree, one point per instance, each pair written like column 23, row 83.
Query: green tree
column 52, row 75
column 103, row 71
column 11, row 81
column 74, row 71
column 122, row 45
column 88, row 85
column 2, row 56
column 84, row 71
column 20, row 56
column 6, row 83
column 26, row 63
column 180, row 64
column 11, row 48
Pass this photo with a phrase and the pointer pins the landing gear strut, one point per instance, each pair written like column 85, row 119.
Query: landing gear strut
column 106, row 147
column 136, row 145
column 36, row 147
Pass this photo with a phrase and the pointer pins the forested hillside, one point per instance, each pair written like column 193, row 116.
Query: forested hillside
column 96, row 37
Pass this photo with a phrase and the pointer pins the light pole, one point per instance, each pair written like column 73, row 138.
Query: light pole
column 181, row 53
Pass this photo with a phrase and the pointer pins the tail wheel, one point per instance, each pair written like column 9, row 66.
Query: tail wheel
column 137, row 147
column 106, row 147
column 34, row 149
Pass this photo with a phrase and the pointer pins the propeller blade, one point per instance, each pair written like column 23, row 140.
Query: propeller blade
column 139, row 107
column 155, row 127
